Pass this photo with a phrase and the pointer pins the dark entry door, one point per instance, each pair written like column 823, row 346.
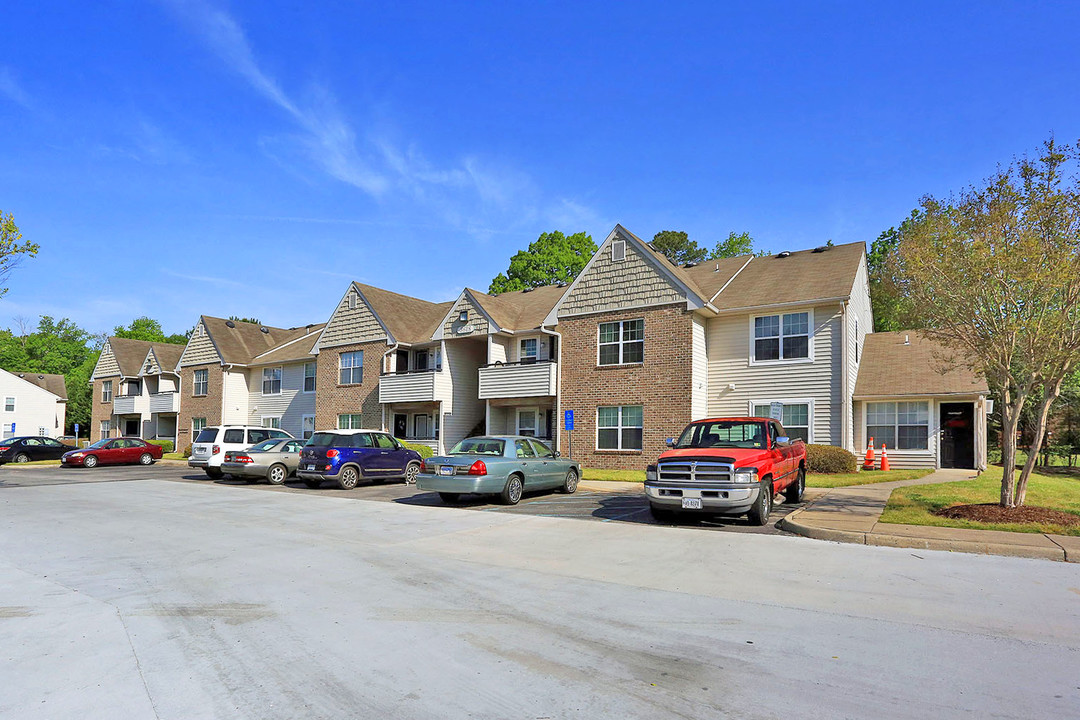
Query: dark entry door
column 401, row 425
column 131, row 428
column 958, row 435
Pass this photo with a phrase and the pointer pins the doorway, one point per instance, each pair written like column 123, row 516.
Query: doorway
column 401, row 425
column 131, row 428
column 958, row 435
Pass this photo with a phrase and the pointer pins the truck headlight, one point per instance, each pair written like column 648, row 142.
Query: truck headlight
column 746, row 476
column 650, row 473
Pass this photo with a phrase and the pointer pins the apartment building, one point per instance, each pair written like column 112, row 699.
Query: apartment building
column 135, row 390
column 34, row 404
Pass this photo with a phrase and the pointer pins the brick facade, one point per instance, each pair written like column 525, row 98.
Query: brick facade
column 661, row 384
column 101, row 410
column 206, row 406
column 333, row 399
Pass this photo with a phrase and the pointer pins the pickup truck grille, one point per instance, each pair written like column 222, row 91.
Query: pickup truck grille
column 694, row 471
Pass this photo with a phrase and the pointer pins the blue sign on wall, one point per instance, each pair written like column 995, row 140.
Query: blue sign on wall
column 12, row 427
column 568, row 420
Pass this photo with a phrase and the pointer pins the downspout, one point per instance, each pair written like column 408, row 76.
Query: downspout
column 844, row 392
column 382, row 407
column 557, row 422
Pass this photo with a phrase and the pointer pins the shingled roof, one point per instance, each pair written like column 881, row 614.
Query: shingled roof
column 241, row 343
column 293, row 351
column 522, row 309
column 52, row 383
column 130, row 354
column 891, row 367
column 409, row 319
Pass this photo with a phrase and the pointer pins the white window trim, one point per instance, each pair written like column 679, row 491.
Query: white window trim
column 106, row 385
column 264, row 418
column 789, row 401
column 281, row 379
column 811, row 333
column 195, row 431
column 14, row 403
column 341, row 358
column 536, row 357
column 622, row 246
column 620, row 428
column 536, row 420
column 933, row 447
column 341, row 415
column 195, row 383
column 621, row 343
column 303, row 419
column 304, row 376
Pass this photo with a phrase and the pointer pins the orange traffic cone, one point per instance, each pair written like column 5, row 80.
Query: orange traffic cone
column 884, row 459
column 868, row 463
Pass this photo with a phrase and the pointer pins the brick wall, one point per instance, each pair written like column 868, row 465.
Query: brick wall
column 332, row 399
column 661, row 384
column 208, row 406
column 101, row 410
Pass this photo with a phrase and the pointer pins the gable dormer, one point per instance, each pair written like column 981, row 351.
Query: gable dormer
column 106, row 366
column 353, row 322
column 200, row 349
column 150, row 365
column 466, row 318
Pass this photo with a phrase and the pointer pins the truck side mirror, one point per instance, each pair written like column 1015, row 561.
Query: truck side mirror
column 670, row 442
column 558, row 454
column 783, row 440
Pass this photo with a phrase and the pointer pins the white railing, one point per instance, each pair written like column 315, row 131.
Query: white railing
column 408, row 387
column 164, row 402
column 124, row 404
column 518, row 380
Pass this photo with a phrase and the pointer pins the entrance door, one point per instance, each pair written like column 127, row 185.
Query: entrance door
column 421, row 427
column 401, row 425
column 402, row 362
column 958, row 435
column 131, row 428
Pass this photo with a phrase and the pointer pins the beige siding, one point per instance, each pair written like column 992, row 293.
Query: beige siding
column 543, row 346
column 509, row 381
column 106, row 364
column 613, row 285
column 728, row 346
column 499, row 348
column 150, row 365
column 477, row 321
column 462, row 358
column 899, row 459
column 235, row 391
column 200, row 349
column 348, row 326
column 699, row 383
column 860, row 321
column 290, row 405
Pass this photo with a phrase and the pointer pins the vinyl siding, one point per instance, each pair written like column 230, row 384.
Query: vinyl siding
column 543, row 346
column 499, row 348
column 531, row 380
column 106, row 365
column 235, row 392
column 150, row 365
column 699, row 383
column 462, row 358
column 200, row 349
column 728, row 347
column 348, row 326
column 291, row 405
column 614, row 285
column 35, row 408
column 858, row 309
column 477, row 321
column 900, row 459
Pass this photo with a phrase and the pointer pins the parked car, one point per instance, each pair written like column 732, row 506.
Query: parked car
column 114, row 451
column 348, row 455
column 208, row 450
column 274, row 460
column 727, row 466
column 28, row 449
column 503, row 465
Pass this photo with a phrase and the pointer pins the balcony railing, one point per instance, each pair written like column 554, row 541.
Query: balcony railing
column 164, row 402
column 408, row 386
column 510, row 380
column 124, row 404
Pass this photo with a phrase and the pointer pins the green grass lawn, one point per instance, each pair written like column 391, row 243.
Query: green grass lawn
column 835, row 480
column 914, row 505
column 173, row 456
column 613, row 475
column 35, row 463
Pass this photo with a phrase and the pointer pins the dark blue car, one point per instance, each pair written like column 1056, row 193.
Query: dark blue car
column 348, row 455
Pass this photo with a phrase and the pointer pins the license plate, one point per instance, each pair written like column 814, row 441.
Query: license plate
column 446, row 469
column 691, row 503
column 308, row 467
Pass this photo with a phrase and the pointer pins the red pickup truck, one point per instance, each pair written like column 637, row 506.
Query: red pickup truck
column 727, row 466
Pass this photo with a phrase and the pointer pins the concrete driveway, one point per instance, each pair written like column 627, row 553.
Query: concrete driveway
column 149, row 598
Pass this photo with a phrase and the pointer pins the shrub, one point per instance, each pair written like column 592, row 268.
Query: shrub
column 166, row 445
column 187, row 451
column 829, row 459
column 424, row 450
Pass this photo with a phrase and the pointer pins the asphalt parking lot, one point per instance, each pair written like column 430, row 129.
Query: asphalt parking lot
column 586, row 504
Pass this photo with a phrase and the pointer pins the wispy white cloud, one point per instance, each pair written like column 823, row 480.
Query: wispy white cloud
column 12, row 90
column 209, row 279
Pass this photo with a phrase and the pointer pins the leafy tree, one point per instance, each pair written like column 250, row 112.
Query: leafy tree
column 253, row 321
column 677, row 247
column 13, row 250
column 552, row 258
column 145, row 328
column 736, row 245
column 891, row 309
column 995, row 272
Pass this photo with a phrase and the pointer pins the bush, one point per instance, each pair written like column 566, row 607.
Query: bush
column 829, row 459
column 187, row 452
column 424, row 450
column 166, row 445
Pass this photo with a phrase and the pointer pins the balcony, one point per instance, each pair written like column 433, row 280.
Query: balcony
column 164, row 402
column 411, row 386
column 512, row 380
column 124, row 404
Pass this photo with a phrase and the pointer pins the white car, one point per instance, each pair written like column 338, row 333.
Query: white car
column 208, row 450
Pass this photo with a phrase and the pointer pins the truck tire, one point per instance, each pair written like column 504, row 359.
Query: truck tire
column 794, row 492
column 759, row 514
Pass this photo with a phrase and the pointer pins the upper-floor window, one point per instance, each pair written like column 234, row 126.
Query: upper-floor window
column 618, row 250
column 201, row 385
column 9, row 404
column 271, row 381
column 352, row 368
column 106, row 391
column 530, row 350
column 309, row 377
column 782, row 337
column 622, row 342
column 130, row 387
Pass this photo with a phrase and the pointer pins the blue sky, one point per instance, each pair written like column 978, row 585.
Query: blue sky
column 188, row 157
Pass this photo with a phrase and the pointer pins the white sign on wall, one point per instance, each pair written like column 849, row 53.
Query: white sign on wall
column 776, row 411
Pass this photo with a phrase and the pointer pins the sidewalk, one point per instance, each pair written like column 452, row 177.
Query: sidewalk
column 852, row 514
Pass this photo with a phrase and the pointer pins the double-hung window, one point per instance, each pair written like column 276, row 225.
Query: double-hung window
column 622, row 342
column 201, row 385
column 619, row 427
column 350, row 422
column 782, row 337
column 530, row 350
column 105, row 428
column 796, row 418
column 9, row 404
column 197, row 424
column 309, row 377
column 900, row 425
column 307, row 427
column 271, row 381
column 106, row 391
column 352, row 368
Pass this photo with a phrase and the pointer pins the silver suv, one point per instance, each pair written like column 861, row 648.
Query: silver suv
column 208, row 450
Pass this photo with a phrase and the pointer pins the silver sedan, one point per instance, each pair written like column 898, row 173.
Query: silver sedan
column 275, row 460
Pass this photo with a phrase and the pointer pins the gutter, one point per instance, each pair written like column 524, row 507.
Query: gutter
column 794, row 303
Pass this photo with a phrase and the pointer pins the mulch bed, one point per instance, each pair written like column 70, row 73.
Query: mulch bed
column 991, row 513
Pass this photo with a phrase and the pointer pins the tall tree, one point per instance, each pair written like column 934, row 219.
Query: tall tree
column 677, row 247
column 891, row 309
column 736, row 245
column 145, row 328
column 995, row 272
column 552, row 258
column 13, row 249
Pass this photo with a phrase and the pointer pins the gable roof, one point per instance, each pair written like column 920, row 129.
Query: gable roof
column 407, row 319
column 239, row 343
column 50, row 383
column 130, row 354
column 521, row 309
column 167, row 355
column 922, row 366
column 296, row 350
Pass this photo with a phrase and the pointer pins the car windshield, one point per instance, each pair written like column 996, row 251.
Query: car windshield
column 724, row 434
column 265, row 445
column 207, row 435
column 478, row 446
column 325, row 438
column 99, row 444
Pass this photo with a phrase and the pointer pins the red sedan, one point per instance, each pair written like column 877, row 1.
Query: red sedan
column 114, row 451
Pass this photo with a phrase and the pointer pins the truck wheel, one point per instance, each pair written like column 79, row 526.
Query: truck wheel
column 759, row 514
column 663, row 514
column 794, row 491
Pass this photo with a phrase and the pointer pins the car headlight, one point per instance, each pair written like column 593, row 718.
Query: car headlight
column 76, row 456
column 650, row 472
column 746, row 476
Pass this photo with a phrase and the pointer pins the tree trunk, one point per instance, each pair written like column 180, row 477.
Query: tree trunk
column 1050, row 394
column 1010, row 419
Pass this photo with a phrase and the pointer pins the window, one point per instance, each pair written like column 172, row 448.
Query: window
column 795, row 419
column 622, row 342
column 309, row 377
column 271, row 421
column 106, row 391
column 530, row 350
column 197, row 424
column 237, row 436
column 350, row 422
column 352, row 368
column 41, row 431
column 383, row 441
column 900, row 425
column 542, row 450
column 271, row 381
column 307, row 427
column 105, row 428
column 202, row 382
column 526, row 423
column 619, row 428
column 9, row 404
column 524, row 449
column 782, row 337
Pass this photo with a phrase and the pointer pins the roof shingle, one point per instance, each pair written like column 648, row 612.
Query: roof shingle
column 922, row 366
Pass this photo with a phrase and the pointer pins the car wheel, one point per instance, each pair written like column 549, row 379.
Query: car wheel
column 90, row 461
column 411, row 472
column 449, row 498
column 146, row 459
column 511, row 494
column 794, row 491
column 313, row 483
column 569, row 485
column 663, row 514
column 759, row 514
column 277, row 474
column 21, row 458
column 348, row 478
column 214, row 473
